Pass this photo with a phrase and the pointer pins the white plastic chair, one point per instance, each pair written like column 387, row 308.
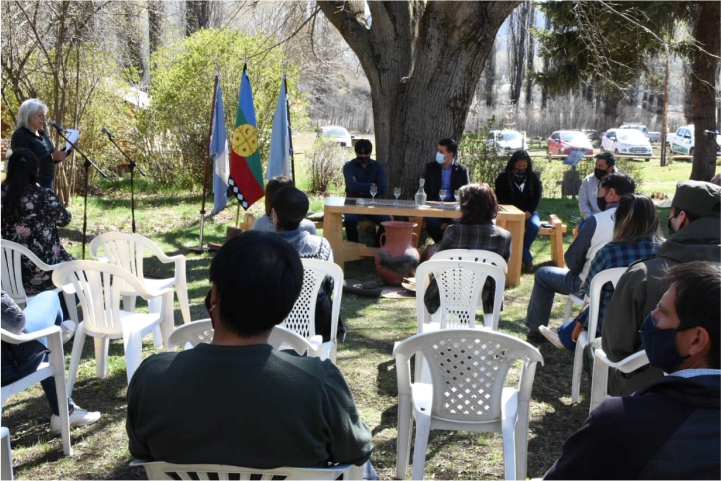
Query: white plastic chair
column 12, row 280
column 126, row 251
column 190, row 335
column 460, row 284
column 594, row 296
column 6, row 459
column 54, row 367
column 302, row 317
column 477, row 255
column 468, row 370
column 163, row 470
column 99, row 286
column 601, row 365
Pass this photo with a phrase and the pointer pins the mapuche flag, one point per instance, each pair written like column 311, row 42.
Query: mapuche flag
column 246, row 172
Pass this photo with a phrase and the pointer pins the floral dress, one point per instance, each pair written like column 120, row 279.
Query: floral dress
column 36, row 228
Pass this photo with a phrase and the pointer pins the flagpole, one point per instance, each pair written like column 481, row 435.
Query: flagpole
column 200, row 247
column 290, row 131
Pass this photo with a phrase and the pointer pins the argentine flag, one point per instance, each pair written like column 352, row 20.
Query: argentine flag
column 219, row 154
column 279, row 162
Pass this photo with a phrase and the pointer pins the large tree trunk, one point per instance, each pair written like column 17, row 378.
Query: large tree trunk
column 703, row 88
column 423, row 61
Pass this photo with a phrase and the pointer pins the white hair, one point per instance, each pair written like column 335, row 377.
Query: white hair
column 29, row 108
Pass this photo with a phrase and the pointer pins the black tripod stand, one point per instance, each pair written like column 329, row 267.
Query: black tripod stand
column 87, row 165
column 132, row 167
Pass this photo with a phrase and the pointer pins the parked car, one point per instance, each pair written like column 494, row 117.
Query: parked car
column 336, row 133
column 627, row 143
column 652, row 136
column 683, row 141
column 506, row 141
column 566, row 141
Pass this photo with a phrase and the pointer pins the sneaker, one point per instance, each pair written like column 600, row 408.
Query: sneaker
column 67, row 330
column 535, row 336
column 551, row 335
column 79, row 417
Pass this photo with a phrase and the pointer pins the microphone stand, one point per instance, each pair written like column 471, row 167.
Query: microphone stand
column 87, row 165
column 132, row 167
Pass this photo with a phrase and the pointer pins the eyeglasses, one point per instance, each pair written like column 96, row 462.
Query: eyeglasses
column 42, row 116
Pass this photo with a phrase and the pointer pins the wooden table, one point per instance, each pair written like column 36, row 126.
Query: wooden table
column 509, row 217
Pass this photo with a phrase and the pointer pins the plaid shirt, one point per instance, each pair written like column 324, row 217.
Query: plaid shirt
column 488, row 237
column 615, row 254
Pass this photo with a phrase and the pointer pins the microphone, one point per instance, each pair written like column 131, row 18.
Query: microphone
column 109, row 133
column 57, row 127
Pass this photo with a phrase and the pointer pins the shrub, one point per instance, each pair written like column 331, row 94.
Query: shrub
column 325, row 163
column 483, row 161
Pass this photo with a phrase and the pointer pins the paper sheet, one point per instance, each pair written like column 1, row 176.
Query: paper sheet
column 72, row 135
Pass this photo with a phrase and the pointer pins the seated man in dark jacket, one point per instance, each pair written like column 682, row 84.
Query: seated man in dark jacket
column 671, row 428
column 238, row 401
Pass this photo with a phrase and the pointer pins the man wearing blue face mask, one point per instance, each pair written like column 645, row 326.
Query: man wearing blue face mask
column 444, row 173
column 694, row 228
column 670, row 429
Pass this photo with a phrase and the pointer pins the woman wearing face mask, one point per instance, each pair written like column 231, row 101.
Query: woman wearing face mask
column 520, row 187
column 30, row 217
column 636, row 235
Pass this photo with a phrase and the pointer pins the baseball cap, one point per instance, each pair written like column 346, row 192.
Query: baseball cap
column 697, row 197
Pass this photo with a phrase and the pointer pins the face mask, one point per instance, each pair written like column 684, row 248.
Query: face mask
column 600, row 173
column 210, row 308
column 440, row 158
column 660, row 346
column 671, row 229
column 601, row 201
column 363, row 160
column 520, row 171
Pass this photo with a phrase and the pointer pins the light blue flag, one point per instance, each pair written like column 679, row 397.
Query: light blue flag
column 219, row 154
column 279, row 161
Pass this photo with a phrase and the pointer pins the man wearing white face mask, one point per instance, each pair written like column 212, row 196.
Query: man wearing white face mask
column 669, row 429
column 444, row 173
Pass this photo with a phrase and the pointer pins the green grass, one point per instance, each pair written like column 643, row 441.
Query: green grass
column 171, row 219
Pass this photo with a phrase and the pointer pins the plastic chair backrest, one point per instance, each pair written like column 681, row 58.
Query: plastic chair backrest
column 460, row 284
column 125, row 250
column 201, row 331
column 12, row 279
column 163, row 470
column 99, row 286
column 468, row 369
column 477, row 255
column 302, row 317
column 594, row 294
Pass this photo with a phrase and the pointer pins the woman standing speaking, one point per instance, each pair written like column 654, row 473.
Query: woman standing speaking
column 30, row 135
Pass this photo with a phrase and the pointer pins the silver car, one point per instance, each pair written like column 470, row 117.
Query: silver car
column 627, row 143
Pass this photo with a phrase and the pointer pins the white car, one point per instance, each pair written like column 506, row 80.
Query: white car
column 627, row 143
column 506, row 141
column 338, row 134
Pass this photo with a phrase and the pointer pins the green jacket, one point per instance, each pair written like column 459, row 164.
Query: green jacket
column 640, row 289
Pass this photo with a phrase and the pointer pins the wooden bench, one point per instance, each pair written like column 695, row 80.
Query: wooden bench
column 555, row 232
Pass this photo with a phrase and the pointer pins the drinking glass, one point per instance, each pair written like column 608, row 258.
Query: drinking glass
column 374, row 191
column 397, row 193
column 442, row 194
column 457, row 195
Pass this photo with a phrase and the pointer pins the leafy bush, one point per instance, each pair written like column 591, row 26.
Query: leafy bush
column 175, row 126
column 325, row 165
column 483, row 161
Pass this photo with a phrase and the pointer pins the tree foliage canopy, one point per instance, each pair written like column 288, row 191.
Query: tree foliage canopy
column 182, row 92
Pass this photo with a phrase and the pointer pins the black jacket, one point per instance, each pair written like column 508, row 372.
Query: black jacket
column 668, row 430
column 508, row 193
column 432, row 174
column 41, row 146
